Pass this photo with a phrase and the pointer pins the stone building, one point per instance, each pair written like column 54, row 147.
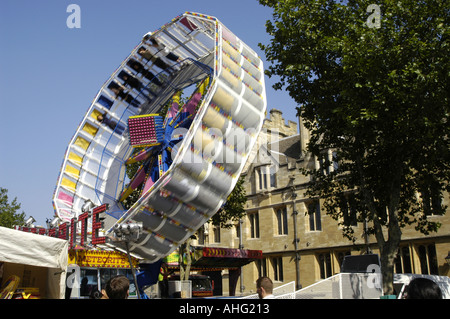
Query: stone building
column 298, row 246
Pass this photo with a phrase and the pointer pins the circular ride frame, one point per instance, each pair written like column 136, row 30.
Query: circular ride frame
column 207, row 161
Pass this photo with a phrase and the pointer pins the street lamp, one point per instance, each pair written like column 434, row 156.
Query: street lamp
column 128, row 232
column 447, row 259
column 55, row 222
column 29, row 222
column 87, row 206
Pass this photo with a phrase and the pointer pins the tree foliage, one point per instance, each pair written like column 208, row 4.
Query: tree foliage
column 9, row 217
column 379, row 97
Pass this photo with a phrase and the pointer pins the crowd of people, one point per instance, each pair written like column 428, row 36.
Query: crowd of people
column 419, row 288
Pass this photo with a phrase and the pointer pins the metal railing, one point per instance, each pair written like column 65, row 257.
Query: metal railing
column 339, row 286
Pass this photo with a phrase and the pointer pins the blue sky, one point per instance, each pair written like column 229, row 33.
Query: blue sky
column 49, row 75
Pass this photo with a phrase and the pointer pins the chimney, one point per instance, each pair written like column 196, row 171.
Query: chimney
column 304, row 135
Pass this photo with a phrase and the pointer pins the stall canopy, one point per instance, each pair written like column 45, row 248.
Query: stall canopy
column 23, row 248
column 217, row 257
column 213, row 258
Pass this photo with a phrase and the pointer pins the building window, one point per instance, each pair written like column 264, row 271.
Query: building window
column 347, row 206
column 282, row 221
column 217, row 234
column 324, row 261
column 432, row 201
column 327, row 162
column 273, row 177
column 403, row 261
column 261, row 264
column 315, row 223
column 428, row 259
column 335, row 161
column 265, row 177
column 254, row 224
column 262, row 177
column 277, row 263
column 324, row 164
column 201, row 236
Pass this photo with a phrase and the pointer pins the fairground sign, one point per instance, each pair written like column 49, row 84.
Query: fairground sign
column 69, row 231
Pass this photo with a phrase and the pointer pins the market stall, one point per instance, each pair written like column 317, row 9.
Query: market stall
column 38, row 262
column 89, row 270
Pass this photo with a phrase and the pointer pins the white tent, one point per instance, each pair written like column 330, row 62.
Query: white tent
column 18, row 248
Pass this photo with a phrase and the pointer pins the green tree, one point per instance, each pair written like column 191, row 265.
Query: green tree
column 378, row 95
column 9, row 217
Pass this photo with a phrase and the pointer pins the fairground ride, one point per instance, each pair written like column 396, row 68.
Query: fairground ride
column 186, row 106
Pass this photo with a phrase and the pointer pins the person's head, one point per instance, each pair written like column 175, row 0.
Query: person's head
column 100, row 118
column 134, row 64
column 142, row 50
column 96, row 294
column 117, row 288
column 423, row 288
column 123, row 75
column 114, row 87
column 264, row 286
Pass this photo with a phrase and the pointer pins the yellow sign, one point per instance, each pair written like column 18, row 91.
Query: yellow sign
column 102, row 259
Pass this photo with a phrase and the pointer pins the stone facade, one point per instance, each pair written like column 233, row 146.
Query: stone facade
column 298, row 246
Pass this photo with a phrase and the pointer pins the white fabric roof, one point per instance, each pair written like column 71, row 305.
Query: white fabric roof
column 32, row 249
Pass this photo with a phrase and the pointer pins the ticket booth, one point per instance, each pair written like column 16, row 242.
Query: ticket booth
column 88, row 271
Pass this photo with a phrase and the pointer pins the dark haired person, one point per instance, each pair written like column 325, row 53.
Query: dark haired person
column 117, row 287
column 423, row 288
column 146, row 54
column 139, row 68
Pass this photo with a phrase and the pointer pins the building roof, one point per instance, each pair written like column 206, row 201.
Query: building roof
column 288, row 149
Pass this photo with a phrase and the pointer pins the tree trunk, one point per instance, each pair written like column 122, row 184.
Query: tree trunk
column 387, row 271
column 188, row 259
column 185, row 269
column 388, row 248
column 181, row 260
column 388, row 252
